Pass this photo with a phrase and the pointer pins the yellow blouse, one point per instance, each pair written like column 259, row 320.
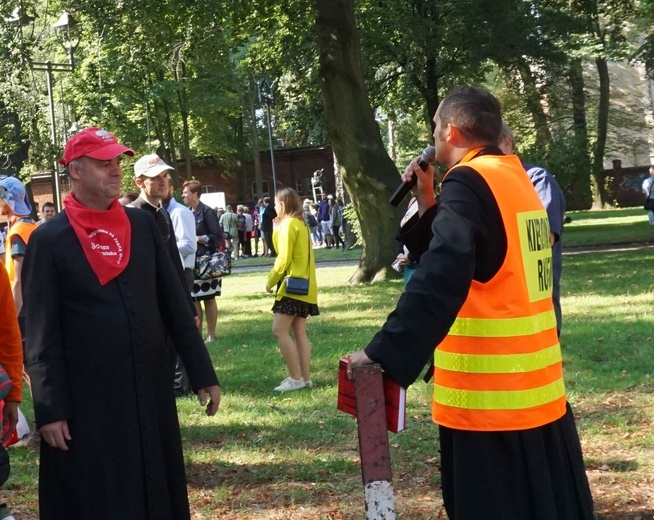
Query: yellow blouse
column 292, row 240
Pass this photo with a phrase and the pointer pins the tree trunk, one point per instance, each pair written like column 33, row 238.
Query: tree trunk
column 598, row 183
column 256, row 150
column 576, row 77
column 431, row 92
column 392, row 135
column 533, row 102
column 183, row 110
column 170, row 136
column 162, row 150
column 578, row 188
column 368, row 172
column 241, row 178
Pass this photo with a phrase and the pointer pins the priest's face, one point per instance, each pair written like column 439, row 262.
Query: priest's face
column 155, row 187
column 96, row 181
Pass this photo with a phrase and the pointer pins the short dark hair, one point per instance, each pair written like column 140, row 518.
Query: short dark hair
column 475, row 112
column 47, row 205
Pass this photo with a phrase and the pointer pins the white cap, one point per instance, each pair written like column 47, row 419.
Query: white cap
column 150, row 165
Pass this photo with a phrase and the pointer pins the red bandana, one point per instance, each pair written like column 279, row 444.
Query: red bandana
column 105, row 236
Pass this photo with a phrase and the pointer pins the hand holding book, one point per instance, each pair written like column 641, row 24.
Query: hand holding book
column 394, row 396
column 356, row 359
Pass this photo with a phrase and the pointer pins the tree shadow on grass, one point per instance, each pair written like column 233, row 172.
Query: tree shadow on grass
column 616, row 273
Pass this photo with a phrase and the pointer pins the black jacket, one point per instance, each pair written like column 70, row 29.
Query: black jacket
column 206, row 223
column 269, row 214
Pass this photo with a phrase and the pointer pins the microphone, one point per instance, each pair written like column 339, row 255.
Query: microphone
column 428, row 157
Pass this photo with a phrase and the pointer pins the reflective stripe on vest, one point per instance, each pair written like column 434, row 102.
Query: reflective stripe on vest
column 506, row 400
column 498, row 363
column 500, row 366
column 502, row 328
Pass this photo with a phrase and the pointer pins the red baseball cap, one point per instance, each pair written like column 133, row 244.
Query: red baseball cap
column 95, row 143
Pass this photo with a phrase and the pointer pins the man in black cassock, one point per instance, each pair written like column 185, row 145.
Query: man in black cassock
column 102, row 297
column 462, row 243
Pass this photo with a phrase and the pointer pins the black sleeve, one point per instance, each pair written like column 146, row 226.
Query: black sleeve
column 45, row 358
column 468, row 243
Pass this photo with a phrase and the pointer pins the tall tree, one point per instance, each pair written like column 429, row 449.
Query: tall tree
column 368, row 172
column 590, row 31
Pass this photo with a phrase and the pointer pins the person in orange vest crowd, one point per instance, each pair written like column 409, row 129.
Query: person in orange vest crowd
column 482, row 294
column 15, row 206
column 14, row 203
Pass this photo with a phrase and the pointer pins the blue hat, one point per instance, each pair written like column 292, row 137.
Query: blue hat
column 13, row 193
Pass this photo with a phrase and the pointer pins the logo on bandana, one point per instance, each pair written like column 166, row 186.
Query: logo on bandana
column 107, row 244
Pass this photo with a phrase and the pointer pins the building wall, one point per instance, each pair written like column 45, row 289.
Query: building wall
column 630, row 136
column 294, row 167
column 42, row 190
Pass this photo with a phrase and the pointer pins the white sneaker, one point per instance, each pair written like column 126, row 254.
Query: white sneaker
column 289, row 384
column 208, row 340
column 308, row 384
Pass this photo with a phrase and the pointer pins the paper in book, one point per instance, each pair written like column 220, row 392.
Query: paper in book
column 394, row 395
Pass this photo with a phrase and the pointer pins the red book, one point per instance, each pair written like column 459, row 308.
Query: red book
column 394, row 395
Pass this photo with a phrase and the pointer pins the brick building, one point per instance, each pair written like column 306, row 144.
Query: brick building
column 294, row 168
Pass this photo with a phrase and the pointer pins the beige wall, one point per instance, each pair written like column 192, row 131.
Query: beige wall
column 631, row 117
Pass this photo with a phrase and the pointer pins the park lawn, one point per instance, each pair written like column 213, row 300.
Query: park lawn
column 612, row 226
column 294, row 456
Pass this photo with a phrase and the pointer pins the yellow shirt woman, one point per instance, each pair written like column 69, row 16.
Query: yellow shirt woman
column 295, row 258
column 290, row 311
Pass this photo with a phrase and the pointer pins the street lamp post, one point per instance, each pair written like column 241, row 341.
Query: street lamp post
column 265, row 90
column 63, row 26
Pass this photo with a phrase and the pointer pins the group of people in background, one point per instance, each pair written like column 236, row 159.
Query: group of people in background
column 241, row 227
column 326, row 221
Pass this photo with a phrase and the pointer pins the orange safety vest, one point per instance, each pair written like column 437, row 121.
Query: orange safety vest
column 23, row 230
column 500, row 368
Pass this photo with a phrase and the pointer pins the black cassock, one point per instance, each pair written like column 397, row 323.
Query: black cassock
column 98, row 358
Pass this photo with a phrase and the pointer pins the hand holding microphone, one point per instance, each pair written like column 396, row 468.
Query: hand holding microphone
column 427, row 157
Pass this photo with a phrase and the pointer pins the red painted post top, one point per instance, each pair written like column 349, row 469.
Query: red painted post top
column 371, row 418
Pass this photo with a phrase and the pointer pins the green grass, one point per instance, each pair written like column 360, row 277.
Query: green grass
column 614, row 226
column 271, row 456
